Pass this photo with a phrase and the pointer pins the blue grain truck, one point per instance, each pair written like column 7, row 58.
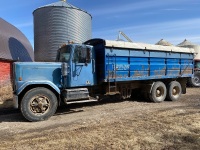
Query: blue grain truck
column 99, row 68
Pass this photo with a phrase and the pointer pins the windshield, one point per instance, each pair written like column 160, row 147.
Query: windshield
column 65, row 54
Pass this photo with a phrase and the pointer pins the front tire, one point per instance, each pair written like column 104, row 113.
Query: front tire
column 39, row 104
column 158, row 92
column 174, row 91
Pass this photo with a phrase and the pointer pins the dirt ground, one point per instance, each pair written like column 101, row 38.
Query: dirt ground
column 131, row 124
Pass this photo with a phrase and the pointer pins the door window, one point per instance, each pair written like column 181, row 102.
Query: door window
column 82, row 54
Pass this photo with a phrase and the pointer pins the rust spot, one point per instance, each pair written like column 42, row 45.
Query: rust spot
column 138, row 74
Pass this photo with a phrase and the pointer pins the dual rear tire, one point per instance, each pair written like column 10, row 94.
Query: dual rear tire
column 159, row 92
column 174, row 91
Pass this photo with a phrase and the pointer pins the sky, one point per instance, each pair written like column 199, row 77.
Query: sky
column 145, row 21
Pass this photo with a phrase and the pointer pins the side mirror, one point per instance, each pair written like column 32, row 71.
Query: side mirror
column 64, row 69
column 88, row 57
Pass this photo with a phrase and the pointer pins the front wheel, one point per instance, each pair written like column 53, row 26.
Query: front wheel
column 38, row 104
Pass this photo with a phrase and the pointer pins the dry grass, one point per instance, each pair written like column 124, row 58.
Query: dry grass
column 126, row 125
column 166, row 129
column 6, row 95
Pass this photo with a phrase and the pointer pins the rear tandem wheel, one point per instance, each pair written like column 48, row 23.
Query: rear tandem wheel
column 174, row 91
column 158, row 92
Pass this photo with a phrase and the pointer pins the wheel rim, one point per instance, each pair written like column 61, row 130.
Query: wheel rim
column 175, row 91
column 40, row 105
column 196, row 80
column 159, row 92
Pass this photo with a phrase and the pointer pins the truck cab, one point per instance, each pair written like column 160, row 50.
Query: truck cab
column 78, row 65
column 39, row 87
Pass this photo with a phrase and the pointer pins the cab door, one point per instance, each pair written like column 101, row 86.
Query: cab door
column 82, row 66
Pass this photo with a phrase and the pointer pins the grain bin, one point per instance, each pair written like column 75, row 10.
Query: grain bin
column 56, row 24
column 189, row 44
column 163, row 43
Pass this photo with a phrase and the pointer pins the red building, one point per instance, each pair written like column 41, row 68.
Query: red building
column 5, row 80
column 14, row 46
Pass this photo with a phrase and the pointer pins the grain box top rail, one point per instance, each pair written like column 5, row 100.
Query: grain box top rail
column 139, row 46
column 144, row 46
